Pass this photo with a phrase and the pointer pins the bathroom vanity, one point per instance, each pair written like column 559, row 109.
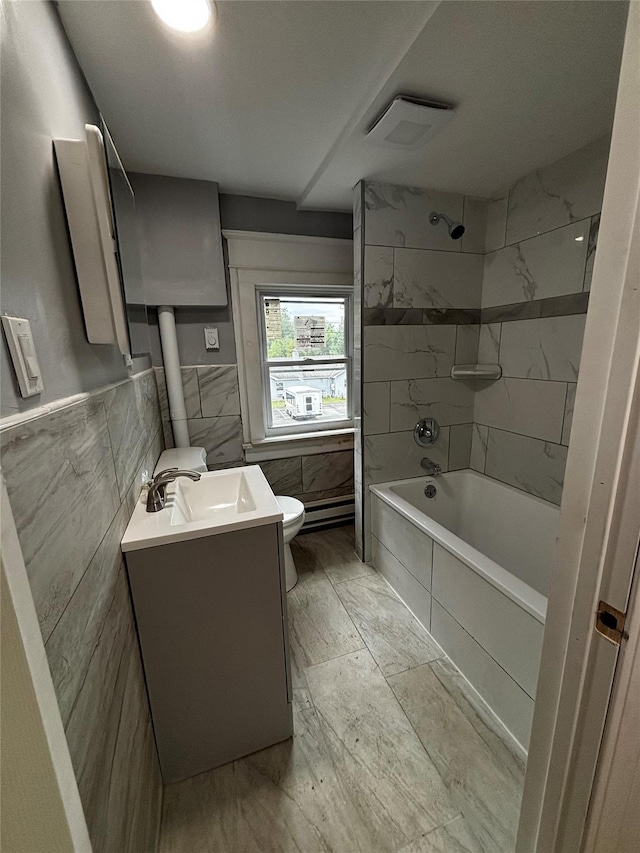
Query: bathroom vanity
column 207, row 581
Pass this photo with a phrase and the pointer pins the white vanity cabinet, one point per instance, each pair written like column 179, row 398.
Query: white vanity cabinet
column 211, row 618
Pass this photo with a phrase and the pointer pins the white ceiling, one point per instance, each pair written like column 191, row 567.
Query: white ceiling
column 276, row 103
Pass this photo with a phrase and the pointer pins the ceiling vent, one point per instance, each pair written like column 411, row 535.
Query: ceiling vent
column 409, row 123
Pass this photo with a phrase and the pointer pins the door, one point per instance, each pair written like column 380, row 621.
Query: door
column 600, row 513
column 613, row 824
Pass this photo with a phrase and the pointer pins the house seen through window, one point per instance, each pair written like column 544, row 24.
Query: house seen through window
column 307, row 356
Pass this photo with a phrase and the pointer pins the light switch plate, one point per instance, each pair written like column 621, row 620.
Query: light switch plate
column 211, row 339
column 23, row 355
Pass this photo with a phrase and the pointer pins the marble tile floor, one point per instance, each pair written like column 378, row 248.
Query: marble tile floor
column 392, row 751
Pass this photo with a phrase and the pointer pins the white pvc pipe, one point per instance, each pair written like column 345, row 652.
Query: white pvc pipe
column 172, row 375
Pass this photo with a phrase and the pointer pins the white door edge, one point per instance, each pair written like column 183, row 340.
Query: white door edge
column 594, row 555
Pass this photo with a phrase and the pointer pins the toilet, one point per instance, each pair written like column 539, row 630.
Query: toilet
column 195, row 459
column 293, row 511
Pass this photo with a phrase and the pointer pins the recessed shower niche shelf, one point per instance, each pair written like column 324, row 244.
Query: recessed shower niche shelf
column 476, row 371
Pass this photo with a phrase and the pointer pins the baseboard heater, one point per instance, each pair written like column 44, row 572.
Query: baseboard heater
column 331, row 511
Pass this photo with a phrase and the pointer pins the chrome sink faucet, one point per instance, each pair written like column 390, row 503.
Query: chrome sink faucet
column 431, row 467
column 157, row 495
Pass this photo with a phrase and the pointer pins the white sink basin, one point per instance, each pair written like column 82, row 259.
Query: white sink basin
column 220, row 501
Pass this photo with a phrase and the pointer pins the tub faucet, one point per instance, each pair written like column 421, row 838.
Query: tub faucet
column 157, row 494
column 431, row 467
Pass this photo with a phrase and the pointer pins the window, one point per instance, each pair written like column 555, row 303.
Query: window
column 306, row 358
column 295, row 384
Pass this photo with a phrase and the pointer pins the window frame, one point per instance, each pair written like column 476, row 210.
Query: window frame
column 261, row 261
column 305, row 291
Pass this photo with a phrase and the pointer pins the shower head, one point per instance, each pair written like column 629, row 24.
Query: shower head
column 456, row 229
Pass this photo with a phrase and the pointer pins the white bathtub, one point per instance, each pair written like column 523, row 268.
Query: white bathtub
column 473, row 565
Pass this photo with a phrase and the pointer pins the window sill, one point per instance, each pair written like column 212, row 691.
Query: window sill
column 302, row 444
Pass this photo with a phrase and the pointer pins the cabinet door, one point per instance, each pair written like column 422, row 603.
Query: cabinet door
column 209, row 616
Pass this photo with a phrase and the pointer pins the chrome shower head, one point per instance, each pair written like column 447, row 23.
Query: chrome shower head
column 456, row 229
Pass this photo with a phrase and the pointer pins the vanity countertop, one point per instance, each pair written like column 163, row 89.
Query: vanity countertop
column 219, row 502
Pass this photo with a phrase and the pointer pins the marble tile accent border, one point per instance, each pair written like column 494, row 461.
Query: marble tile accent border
column 448, row 316
column 555, row 306
column 420, row 316
column 392, row 316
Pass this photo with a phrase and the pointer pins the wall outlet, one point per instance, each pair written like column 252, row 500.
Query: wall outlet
column 211, row 339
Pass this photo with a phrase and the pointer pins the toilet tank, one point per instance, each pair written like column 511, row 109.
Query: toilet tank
column 185, row 458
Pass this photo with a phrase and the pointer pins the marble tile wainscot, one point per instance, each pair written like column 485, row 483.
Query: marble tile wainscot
column 73, row 473
column 212, row 401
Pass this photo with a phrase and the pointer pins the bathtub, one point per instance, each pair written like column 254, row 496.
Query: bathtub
column 472, row 563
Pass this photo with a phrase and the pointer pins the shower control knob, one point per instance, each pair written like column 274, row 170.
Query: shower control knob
column 426, row 432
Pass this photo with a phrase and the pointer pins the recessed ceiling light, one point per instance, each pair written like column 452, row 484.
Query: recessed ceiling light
column 186, row 16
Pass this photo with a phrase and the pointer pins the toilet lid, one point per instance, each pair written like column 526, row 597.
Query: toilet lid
column 291, row 507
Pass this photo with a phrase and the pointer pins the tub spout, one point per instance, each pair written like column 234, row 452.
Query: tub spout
column 431, row 467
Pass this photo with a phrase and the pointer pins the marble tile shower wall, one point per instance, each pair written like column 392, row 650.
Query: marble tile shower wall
column 420, row 308
column 73, row 475
column 212, row 401
column 541, row 238
column 513, row 290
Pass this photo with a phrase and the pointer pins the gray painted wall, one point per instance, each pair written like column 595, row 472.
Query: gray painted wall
column 43, row 96
column 90, row 454
column 242, row 213
column 248, row 213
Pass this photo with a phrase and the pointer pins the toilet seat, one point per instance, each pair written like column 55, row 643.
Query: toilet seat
column 292, row 509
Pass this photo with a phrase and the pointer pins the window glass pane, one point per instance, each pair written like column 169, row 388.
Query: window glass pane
column 304, row 327
column 313, row 394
